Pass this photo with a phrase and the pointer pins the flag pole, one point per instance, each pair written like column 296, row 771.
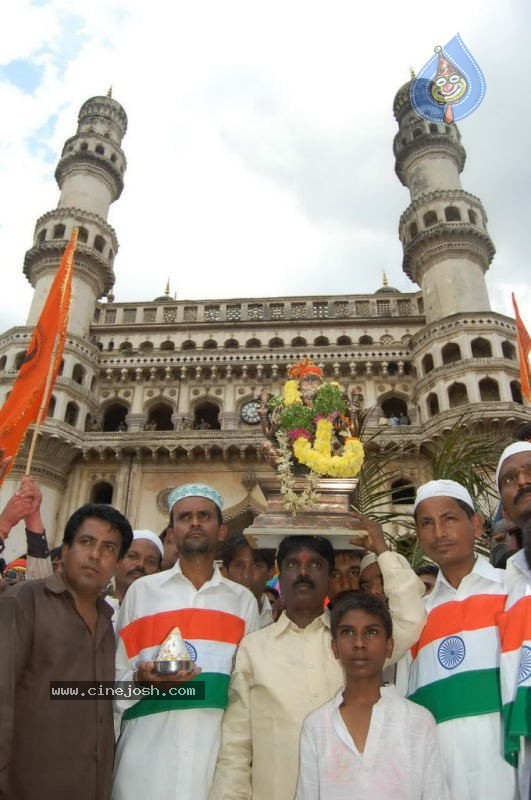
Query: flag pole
column 44, row 404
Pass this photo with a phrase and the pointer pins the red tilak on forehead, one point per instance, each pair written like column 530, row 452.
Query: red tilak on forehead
column 305, row 557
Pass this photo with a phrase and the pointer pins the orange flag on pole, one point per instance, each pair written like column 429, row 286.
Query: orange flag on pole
column 30, row 395
column 524, row 350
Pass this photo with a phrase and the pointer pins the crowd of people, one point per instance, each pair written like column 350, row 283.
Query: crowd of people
column 356, row 676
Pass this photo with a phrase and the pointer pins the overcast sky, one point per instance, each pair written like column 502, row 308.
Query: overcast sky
column 260, row 138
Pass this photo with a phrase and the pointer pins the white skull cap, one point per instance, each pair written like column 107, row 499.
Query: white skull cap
column 443, row 488
column 511, row 450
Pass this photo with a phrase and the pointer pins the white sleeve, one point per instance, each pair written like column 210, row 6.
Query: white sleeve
column 404, row 591
column 308, row 780
column 125, row 667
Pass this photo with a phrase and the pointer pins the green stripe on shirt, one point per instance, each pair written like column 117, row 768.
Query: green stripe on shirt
column 216, row 696
column 464, row 695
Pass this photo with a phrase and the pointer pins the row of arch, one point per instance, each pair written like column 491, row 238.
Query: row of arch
column 451, row 214
column 479, row 347
column 402, row 492
column 457, row 395
column 59, row 232
column 77, row 373
column 276, row 341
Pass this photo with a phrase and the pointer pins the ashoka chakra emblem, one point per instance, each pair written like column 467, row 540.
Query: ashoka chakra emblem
column 192, row 652
column 525, row 664
column 451, row 652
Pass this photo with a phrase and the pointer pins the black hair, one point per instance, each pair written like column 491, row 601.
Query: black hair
column 294, row 544
column 55, row 553
column 100, row 511
column 353, row 601
column 358, row 553
column 523, row 434
column 164, row 532
column 469, row 511
column 219, row 515
column 236, row 540
column 273, row 591
column 427, row 569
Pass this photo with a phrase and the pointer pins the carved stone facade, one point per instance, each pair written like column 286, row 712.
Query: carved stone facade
column 156, row 393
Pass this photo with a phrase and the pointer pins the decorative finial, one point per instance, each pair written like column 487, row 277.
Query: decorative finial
column 385, row 282
column 109, row 91
column 412, row 73
column 167, row 289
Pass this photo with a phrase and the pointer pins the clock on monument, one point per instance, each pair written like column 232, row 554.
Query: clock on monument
column 249, row 412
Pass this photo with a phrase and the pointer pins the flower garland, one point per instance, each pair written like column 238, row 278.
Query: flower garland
column 310, row 430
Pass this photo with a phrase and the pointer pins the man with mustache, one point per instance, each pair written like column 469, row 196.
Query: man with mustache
column 455, row 664
column 143, row 558
column 282, row 673
column 513, row 478
column 169, row 741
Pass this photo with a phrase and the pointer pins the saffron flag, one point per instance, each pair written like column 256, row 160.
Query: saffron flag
column 524, row 350
column 34, row 383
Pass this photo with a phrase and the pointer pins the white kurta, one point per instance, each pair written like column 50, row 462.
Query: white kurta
column 401, row 760
column 171, row 754
column 471, row 746
column 516, row 669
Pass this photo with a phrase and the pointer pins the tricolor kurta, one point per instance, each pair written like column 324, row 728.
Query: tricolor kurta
column 455, row 674
column 177, row 736
column 515, row 633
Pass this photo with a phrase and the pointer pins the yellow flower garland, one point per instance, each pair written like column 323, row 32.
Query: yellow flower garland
column 291, row 393
column 319, row 459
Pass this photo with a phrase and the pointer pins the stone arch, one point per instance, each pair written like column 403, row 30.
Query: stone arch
column 3, row 361
column 452, row 214
column 51, row 406
column 59, row 231
column 430, row 219
column 210, row 344
column 299, row 341
column 457, row 395
column 42, row 236
column 508, row 350
column 365, row 340
column 489, row 390
column 402, row 492
column 82, row 235
column 481, row 348
column 145, row 347
column 19, row 359
column 276, row 341
column 432, row 403
column 427, row 363
column 206, row 415
column 451, row 353
column 413, row 230
column 126, row 346
column 231, row 344
column 99, row 149
column 167, row 345
column 472, row 217
column 321, row 341
column 159, row 417
column 188, row 344
column 114, row 416
column 78, row 374
column 344, row 341
column 102, row 492
column 393, row 404
column 71, row 413
column 99, row 243
column 516, row 392
column 254, row 342
column 434, row 128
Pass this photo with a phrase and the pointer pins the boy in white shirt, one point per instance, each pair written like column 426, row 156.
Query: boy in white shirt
column 368, row 741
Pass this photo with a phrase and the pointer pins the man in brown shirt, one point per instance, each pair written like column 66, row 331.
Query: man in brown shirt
column 58, row 629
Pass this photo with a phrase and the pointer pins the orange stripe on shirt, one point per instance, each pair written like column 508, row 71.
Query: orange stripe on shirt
column 195, row 623
column 515, row 625
column 478, row 611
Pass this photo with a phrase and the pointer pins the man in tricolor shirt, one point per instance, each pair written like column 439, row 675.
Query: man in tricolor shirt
column 168, row 745
column 455, row 664
column 513, row 478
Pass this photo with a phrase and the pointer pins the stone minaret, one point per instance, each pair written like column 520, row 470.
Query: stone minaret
column 90, row 175
column 447, row 248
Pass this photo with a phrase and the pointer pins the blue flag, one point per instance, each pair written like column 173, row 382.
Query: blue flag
column 450, row 86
